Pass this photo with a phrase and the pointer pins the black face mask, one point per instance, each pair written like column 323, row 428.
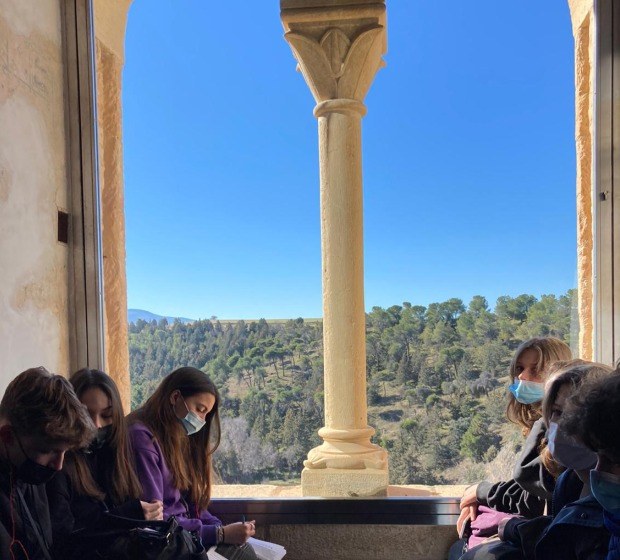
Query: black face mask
column 31, row 472
column 101, row 439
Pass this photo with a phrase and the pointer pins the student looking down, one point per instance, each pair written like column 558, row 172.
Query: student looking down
column 174, row 435
column 98, row 481
column 41, row 419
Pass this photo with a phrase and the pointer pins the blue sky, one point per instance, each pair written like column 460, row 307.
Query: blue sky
column 468, row 155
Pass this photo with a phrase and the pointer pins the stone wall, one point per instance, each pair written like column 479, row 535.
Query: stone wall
column 110, row 23
column 582, row 16
column 34, row 325
column 352, row 542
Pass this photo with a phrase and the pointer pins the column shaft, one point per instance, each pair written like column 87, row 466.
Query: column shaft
column 343, row 269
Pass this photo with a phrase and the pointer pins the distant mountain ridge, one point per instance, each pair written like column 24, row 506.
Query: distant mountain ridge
column 134, row 314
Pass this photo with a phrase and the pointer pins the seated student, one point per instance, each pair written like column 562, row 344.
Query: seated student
column 40, row 419
column 592, row 416
column 532, row 484
column 574, row 529
column 100, row 479
column 174, row 435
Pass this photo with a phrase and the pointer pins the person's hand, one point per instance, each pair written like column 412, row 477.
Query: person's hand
column 469, row 496
column 501, row 526
column 470, row 502
column 460, row 524
column 238, row 533
column 153, row 511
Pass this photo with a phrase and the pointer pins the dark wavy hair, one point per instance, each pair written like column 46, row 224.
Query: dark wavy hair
column 125, row 483
column 573, row 373
column 39, row 402
column 591, row 415
column 187, row 457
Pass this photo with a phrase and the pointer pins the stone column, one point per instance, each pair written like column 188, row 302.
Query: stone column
column 339, row 52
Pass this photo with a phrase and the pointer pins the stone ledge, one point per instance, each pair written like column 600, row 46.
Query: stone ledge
column 284, row 491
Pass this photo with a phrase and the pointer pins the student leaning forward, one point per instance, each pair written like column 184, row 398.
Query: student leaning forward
column 174, row 435
column 41, row 418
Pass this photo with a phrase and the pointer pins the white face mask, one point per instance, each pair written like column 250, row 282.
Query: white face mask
column 191, row 422
column 568, row 452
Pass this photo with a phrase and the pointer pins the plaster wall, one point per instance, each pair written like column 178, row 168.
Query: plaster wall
column 34, row 318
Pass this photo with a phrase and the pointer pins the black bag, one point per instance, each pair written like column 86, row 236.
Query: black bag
column 122, row 538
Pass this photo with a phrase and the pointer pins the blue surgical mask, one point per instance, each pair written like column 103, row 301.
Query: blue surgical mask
column 527, row 392
column 568, row 452
column 605, row 487
column 192, row 422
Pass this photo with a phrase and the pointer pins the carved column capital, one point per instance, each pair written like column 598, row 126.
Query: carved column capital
column 338, row 49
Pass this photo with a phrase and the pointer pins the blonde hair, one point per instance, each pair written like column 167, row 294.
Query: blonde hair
column 549, row 350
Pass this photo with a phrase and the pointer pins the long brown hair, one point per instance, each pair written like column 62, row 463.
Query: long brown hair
column 572, row 373
column 125, row 483
column 187, row 457
column 549, row 349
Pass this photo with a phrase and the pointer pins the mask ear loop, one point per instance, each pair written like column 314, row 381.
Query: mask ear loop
column 14, row 541
column 186, row 407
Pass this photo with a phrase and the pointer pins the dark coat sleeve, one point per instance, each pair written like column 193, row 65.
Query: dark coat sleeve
column 131, row 509
column 531, row 486
column 525, row 533
column 70, row 512
column 5, row 542
column 59, row 496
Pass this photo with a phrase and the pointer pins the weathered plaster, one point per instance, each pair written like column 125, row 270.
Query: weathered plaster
column 34, row 329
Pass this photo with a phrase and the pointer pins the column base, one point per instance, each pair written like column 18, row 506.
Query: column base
column 344, row 483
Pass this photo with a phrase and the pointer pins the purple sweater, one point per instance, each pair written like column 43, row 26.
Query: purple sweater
column 157, row 484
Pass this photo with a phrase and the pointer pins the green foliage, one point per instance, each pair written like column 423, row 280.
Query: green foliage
column 478, row 439
column 436, row 382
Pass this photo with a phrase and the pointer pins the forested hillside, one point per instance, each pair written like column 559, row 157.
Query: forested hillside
column 437, row 380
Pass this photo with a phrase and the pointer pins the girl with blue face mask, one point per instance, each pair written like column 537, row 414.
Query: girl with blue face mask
column 573, row 528
column 174, row 435
column 527, row 492
column 593, row 417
